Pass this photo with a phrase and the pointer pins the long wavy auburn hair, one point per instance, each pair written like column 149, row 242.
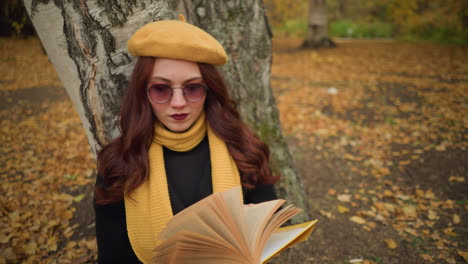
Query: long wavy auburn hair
column 123, row 163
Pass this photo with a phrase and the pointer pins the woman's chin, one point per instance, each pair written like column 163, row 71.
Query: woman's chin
column 180, row 127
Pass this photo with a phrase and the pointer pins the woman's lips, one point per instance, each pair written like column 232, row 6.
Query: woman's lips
column 179, row 117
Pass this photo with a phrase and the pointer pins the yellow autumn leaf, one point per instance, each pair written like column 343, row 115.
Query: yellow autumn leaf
column 388, row 193
column 14, row 216
column 5, row 239
column 391, row 243
column 30, row 248
column 342, row 209
column 429, row 194
column 52, row 244
column 456, row 219
column 358, row 220
column 79, row 197
column 404, row 162
column 409, row 211
column 390, row 207
column 463, row 254
column 432, row 215
column 449, row 231
column 456, row 179
column 346, row 198
column 426, row 232
column 326, row 214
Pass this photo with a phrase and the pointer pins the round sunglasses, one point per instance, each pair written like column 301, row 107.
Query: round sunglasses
column 162, row 93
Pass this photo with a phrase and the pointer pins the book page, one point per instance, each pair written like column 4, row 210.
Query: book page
column 221, row 220
column 215, row 214
column 257, row 216
column 191, row 222
column 284, row 238
column 191, row 246
column 274, row 222
column 234, row 204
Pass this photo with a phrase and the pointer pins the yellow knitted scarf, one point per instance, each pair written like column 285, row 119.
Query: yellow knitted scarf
column 149, row 208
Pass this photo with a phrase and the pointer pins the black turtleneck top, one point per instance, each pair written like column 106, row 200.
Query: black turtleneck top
column 189, row 180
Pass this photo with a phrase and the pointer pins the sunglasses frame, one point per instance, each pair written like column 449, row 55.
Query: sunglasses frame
column 172, row 93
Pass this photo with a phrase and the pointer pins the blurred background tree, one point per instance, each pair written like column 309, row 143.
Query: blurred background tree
column 317, row 26
column 436, row 20
column 433, row 20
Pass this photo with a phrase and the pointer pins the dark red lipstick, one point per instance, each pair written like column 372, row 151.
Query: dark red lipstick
column 179, row 117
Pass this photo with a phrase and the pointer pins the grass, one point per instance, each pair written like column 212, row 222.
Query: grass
column 443, row 35
column 371, row 30
column 351, row 29
column 340, row 28
column 291, row 28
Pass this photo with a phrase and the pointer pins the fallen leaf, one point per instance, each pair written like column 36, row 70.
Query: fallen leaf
column 390, row 207
column 409, row 211
column 326, row 214
column 8, row 253
column 411, row 231
column 441, row 147
column 345, row 198
column 342, row 209
column 358, row 220
column 388, row 193
column 463, row 254
column 14, row 216
column 52, row 244
column 30, row 248
column 331, row 192
column 432, row 215
column 5, row 239
column 426, row 257
column 449, row 231
column 404, row 162
column 456, row 179
column 456, row 219
column 429, row 194
column 391, row 244
column 79, row 197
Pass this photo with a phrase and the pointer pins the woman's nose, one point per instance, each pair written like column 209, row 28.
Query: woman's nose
column 178, row 99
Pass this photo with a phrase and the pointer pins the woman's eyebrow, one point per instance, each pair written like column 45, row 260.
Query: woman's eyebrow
column 154, row 78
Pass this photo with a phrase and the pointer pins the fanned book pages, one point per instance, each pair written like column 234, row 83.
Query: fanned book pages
column 221, row 229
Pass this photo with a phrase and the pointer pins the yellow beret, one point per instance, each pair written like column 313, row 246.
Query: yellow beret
column 176, row 40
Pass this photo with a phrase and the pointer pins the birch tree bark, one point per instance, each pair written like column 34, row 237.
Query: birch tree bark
column 317, row 31
column 86, row 42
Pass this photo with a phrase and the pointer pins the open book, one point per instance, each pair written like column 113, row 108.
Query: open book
column 221, row 229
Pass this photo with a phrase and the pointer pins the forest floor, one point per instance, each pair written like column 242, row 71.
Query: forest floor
column 378, row 130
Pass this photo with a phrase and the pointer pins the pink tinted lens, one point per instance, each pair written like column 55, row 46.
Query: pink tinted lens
column 160, row 92
column 194, row 91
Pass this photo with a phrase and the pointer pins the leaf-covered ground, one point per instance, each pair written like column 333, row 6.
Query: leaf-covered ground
column 378, row 130
column 45, row 162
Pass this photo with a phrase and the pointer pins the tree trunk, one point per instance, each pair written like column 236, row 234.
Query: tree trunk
column 317, row 31
column 86, row 42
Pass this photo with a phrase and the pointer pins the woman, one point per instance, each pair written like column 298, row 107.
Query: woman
column 181, row 140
